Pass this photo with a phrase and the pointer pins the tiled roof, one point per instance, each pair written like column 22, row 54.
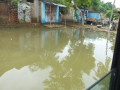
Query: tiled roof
column 92, row 11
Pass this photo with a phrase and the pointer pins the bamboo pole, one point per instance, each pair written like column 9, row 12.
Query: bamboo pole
column 50, row 13
column 112, row 10
column 112, row 14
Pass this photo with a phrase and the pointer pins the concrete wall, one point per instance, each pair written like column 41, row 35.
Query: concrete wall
column 79, row 17
column 43, row 12
column 36, row 10
column 57, row 14
column 70, row 16
column 24, row 14
column 86, row 14
column 94, row 15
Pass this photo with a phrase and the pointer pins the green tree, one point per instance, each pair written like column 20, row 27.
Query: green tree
column 108, row 5
column 83, row 3
column 103, row 7
column 15, row 3
column 114, row 16
column 100, row 6
column 95, row 5
column 77, row 4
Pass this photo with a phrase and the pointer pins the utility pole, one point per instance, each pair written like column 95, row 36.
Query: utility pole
column 112, row 10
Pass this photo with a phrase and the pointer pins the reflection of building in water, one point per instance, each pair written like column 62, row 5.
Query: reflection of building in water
column 21, row 41
column 90, row 35
column 28, row 41
column 36, row 40
column 69, row 57
column 33, row 40
column 77, row 34
column 49, row 37
column 72, row 33
column 56, row 37
column 43, row 39
column 25, row 41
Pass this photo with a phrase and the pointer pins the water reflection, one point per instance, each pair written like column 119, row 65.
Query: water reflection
column 68, row 75
column 64, row 53
column 23, row 79
column 53, row 59
column 43, row 39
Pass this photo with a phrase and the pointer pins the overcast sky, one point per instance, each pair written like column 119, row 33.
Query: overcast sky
column 117, row 3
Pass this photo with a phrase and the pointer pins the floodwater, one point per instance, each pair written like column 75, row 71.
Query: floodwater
column 44, row 59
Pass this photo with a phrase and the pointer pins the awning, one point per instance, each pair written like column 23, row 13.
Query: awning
column 60, row 5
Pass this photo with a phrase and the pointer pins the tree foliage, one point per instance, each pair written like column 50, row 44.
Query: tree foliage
column 115, row 15
column 100, row 6
column 15, row 3
column 104, row 7
column 83, row 3
column 95, row 5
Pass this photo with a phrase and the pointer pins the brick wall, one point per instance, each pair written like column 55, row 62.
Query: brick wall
column 3, row 10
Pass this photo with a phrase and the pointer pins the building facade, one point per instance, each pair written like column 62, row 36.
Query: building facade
column 50, row 12
column 88, row 13
column 36, row 11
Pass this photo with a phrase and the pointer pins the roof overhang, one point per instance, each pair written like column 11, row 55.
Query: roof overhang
column 60, row 5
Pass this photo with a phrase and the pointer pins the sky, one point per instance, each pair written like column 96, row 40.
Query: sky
column 117, row 3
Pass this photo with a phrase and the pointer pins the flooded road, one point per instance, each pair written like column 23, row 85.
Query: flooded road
column 41, row 59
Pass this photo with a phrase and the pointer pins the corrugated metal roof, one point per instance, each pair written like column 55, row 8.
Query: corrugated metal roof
column 60, row 5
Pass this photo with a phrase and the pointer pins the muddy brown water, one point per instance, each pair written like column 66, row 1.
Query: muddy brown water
column 46, row 59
